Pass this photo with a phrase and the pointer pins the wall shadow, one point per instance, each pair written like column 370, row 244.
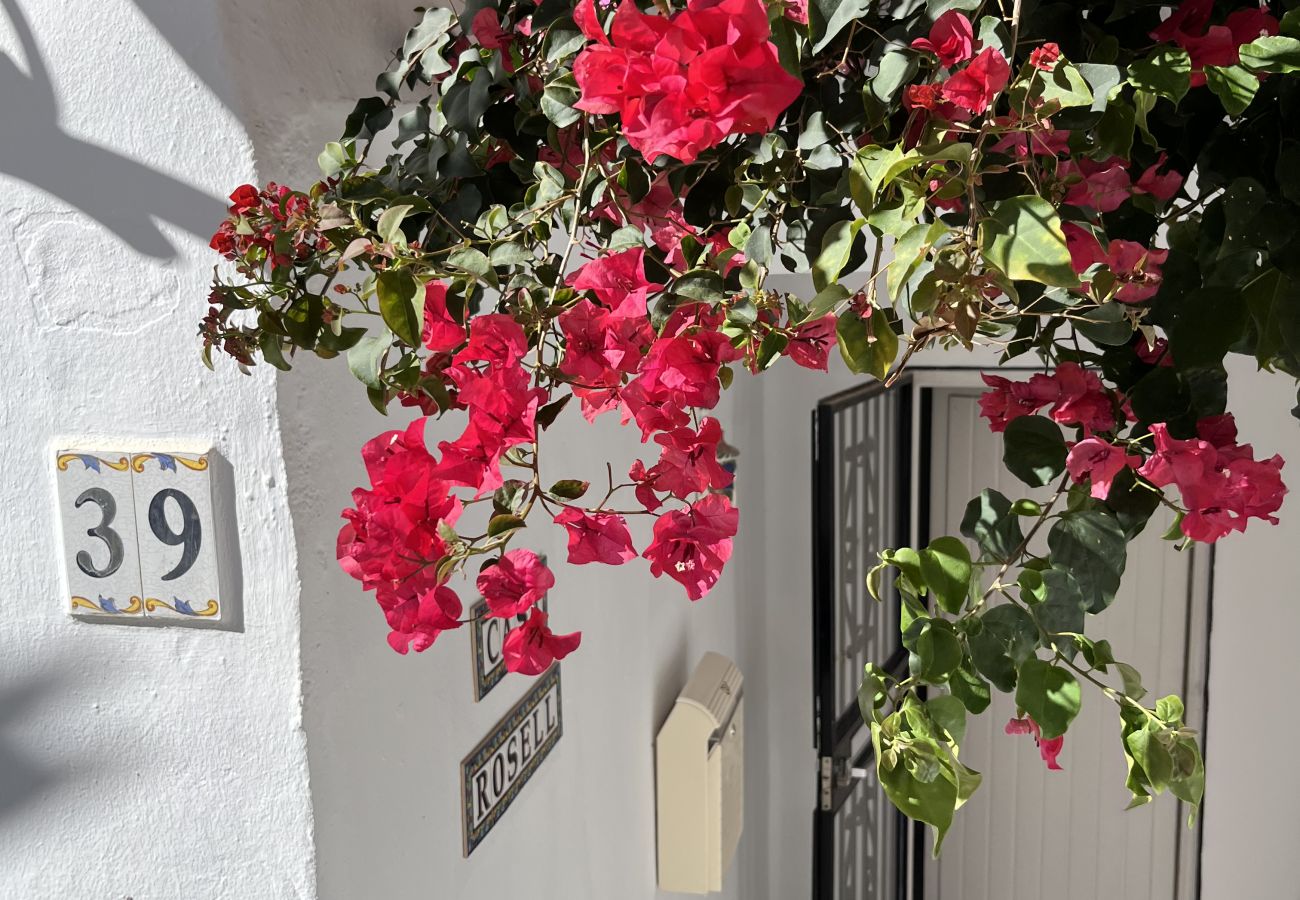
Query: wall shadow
column 121, row 194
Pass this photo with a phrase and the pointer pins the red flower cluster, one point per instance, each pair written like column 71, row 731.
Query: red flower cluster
column 1221, row 482
column 391, row 542
column 257, row 221
column 1218, row 45
column 1076, row 397
column 394, row 540
column 684, row 83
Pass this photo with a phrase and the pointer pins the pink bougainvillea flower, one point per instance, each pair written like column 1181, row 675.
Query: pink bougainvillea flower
column 1006, row 401
column 596, row 537
column 618, row 280
column 515, row 583
column 1191, row 16
column 1098, row 462
column 796, row 11
column 1163, row 186
column 975, row 87
column 1085, row 249
column 502, row 406
column 584, row 15
column 1103, row 186
column 951, row 38
column 1076, row 397
column 244, row 198
column 692, row 546
column 473, row 460
column 1137, row 269
column 488, row 32
column 532, row 647
column 1079, row 398
column 494, row 338
column 417, row 622
column 1048, row 749
column 684, row 83
column 688, row 463
column 1221, row 483
column 1155, row 354
column 1045, row 57
column 442, row 333
column 811, row 343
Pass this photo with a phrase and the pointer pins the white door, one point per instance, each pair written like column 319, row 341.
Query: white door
column 1029, row 833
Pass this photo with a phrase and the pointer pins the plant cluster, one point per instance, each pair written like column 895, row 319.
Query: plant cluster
column 582, row 204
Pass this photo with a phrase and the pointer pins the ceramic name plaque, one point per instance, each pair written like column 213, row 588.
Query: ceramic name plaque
column 139, row 536
column 495, row 771
column 489, row 637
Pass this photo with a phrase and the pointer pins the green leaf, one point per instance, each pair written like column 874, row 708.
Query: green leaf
column 367, row 356
column 1234, row 85
column 704, row 285
column 569, row 489
column 909, row 251
column 333, row 159
column 837, row 247
column 991, row 522
column 499, row 525
column 1066, row 87
column 558, row 101
column 401, row 303
column 950, row 715
column 868, row 349
column 1132, row 679
column 1062, row 609
column 1151, row 755
column 827, row 18
column 1023, row 238
column 473, row 261
column 937, row 651
column 1092, row 547
column 1034, row 450
column 1049, row 694
column 1276, row 53
column 932, row 802
column 389, row 227
column 1007, row 637
column 1167, row 72
column 946, row 568
column 826, row 301
column 970, row 689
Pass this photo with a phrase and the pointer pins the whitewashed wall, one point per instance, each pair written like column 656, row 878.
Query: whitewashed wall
column 134, row 762
column 171, row 763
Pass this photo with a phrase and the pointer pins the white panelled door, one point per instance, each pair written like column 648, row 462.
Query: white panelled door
column 1029, row 833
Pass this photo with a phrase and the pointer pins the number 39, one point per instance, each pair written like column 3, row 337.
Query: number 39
column 189, row 538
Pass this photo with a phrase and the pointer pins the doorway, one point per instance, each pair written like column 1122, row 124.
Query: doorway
column 897, row 467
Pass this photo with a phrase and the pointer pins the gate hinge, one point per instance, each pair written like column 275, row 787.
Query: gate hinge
column 827, row 780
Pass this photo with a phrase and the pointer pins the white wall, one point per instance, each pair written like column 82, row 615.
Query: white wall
column 1251, row 824
column 134, row 762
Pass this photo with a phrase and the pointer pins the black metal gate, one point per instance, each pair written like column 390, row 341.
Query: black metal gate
column 861, row 504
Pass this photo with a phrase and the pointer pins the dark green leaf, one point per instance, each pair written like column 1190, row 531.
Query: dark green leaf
column 401, row 303
column 1023, row 239
column 1092, row 547
column 1007, row 637
column 991, row 522
column 1049, row 694
column 946, row 568
column 1034, row 450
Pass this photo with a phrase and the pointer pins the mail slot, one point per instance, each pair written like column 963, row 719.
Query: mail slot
column 699, row 759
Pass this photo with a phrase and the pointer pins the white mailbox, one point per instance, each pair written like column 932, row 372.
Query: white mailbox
column 699, row 760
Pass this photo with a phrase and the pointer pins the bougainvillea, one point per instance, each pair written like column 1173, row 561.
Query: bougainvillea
column 587, row 201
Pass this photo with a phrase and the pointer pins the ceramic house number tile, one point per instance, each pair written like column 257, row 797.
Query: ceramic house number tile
column 139, row 536
column 97, row 514
column 173, row 513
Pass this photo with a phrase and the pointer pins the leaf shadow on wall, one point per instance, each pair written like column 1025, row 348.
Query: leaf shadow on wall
column 121, row 194
column 23, row 777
